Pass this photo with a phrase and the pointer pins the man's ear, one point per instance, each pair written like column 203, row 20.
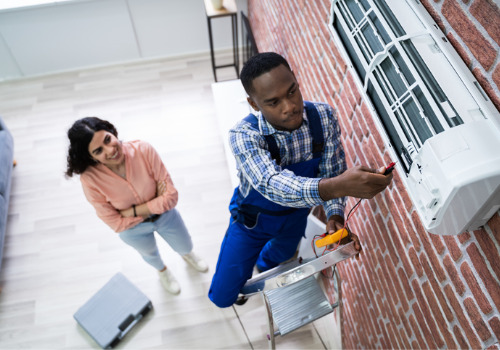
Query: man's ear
column 253, row 104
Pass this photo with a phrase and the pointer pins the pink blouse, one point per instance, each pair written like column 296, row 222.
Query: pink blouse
column 110, row 193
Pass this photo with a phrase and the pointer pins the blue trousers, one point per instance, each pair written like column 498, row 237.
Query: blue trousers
column 272, row 241
column 169, row 226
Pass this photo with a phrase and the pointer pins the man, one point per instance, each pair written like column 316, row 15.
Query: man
column 289, row 158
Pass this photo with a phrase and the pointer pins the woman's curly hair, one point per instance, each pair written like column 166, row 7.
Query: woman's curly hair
column 80, row 135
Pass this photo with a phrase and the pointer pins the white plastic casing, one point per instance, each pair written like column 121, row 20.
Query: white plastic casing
column 454, row 180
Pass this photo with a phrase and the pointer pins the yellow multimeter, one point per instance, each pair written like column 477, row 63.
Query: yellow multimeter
column 330, row 239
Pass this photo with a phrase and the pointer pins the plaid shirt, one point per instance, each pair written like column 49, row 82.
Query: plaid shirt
column 257, row 169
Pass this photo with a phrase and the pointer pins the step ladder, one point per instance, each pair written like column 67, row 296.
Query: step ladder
column 292, row 293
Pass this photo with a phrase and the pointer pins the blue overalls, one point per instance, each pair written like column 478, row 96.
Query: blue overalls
column 262, row 232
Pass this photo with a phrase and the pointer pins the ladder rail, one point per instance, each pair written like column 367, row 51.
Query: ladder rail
column 296, row 270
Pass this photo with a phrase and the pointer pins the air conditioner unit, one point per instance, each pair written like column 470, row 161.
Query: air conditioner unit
column 432, row 112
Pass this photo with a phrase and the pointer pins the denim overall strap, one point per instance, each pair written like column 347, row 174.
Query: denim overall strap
column 316, row 129
column 271, row 142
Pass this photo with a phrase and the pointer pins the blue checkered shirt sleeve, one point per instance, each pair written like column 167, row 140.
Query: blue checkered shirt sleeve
column 256, row 168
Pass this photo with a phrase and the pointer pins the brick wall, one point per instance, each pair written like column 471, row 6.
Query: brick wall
column 409, row 289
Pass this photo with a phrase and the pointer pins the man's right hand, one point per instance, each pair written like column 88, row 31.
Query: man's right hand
column 358, row 182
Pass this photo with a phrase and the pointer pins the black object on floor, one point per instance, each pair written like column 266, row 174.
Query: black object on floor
column 113, row 311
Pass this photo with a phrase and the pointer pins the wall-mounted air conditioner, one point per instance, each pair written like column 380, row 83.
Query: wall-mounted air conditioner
column 440, row 124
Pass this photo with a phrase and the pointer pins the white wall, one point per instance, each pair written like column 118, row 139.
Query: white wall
column 85, row 33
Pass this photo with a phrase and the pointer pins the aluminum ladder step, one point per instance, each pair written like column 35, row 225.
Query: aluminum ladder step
column 298, row 304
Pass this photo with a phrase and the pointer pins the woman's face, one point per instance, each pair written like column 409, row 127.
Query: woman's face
column 106, row 148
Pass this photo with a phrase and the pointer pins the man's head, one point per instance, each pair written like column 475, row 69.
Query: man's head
column 273, row 89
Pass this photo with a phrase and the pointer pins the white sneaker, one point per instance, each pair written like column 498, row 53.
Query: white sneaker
column 196, row 262
column 169, row 282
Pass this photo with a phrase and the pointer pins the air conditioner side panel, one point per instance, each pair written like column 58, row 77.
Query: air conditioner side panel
column 455, row 178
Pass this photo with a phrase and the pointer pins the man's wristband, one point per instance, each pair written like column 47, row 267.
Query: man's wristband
column 133, row 207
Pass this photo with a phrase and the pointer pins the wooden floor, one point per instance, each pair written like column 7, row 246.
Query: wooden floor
column 58, row 253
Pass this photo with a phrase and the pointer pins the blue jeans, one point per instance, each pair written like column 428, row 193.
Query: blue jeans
column 169, row 226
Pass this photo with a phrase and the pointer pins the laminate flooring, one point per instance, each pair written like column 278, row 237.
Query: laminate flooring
column 57, row 252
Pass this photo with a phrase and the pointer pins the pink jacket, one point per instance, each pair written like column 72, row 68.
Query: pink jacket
column 109, row 193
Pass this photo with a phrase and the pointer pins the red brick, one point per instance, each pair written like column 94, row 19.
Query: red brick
column 373, row 204
column 488, row 14
column 489, row 250
column 404, row 321
column 359, row 153
column 363, row 125
column 404, row 338
column 399, row 185
column 429, row 308
column 330, row 72
column 346, row 103
column 496, row 76
column 483, row 272
column 382, row 206
column 464, row 237
column 437, row 242
column 419, row 228
column 434, row 14
column 453, row 248
column 398, row 220
column 340, row 70
column 375, row 154
column 415, row 262
column 395, row 248
column 354, row 88
column 460, row 49
column 485, row 84
column 429, row 339
column 454, row 277
column 434, row 260
column 475, row 288
column 460, row 338
column 366, row 320
column 383, row 336
column 464, row 323
column 369, row 119
column 434, row 308
column 373, row 317
column 398, row 290
column 495, row 325
column 395, row 336
column 494, row 225
column 438, row 291
column 495, row 346
column 477, row 320
column 389, row 294
column 428, row 270
column 349, row 93
column 418, row 334
column 356, row 126
column 476, row 42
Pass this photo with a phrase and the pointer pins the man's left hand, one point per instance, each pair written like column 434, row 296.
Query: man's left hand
column 336, row 223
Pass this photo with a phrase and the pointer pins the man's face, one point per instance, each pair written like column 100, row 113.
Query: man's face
column 276, row 94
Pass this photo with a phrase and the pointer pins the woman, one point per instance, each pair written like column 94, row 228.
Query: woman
column 131, row 191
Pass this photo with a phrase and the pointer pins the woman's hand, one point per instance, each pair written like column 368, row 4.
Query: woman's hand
column 127, row 213
column 161, row 188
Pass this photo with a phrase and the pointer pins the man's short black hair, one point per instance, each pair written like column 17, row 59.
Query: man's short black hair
column 259, row 64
